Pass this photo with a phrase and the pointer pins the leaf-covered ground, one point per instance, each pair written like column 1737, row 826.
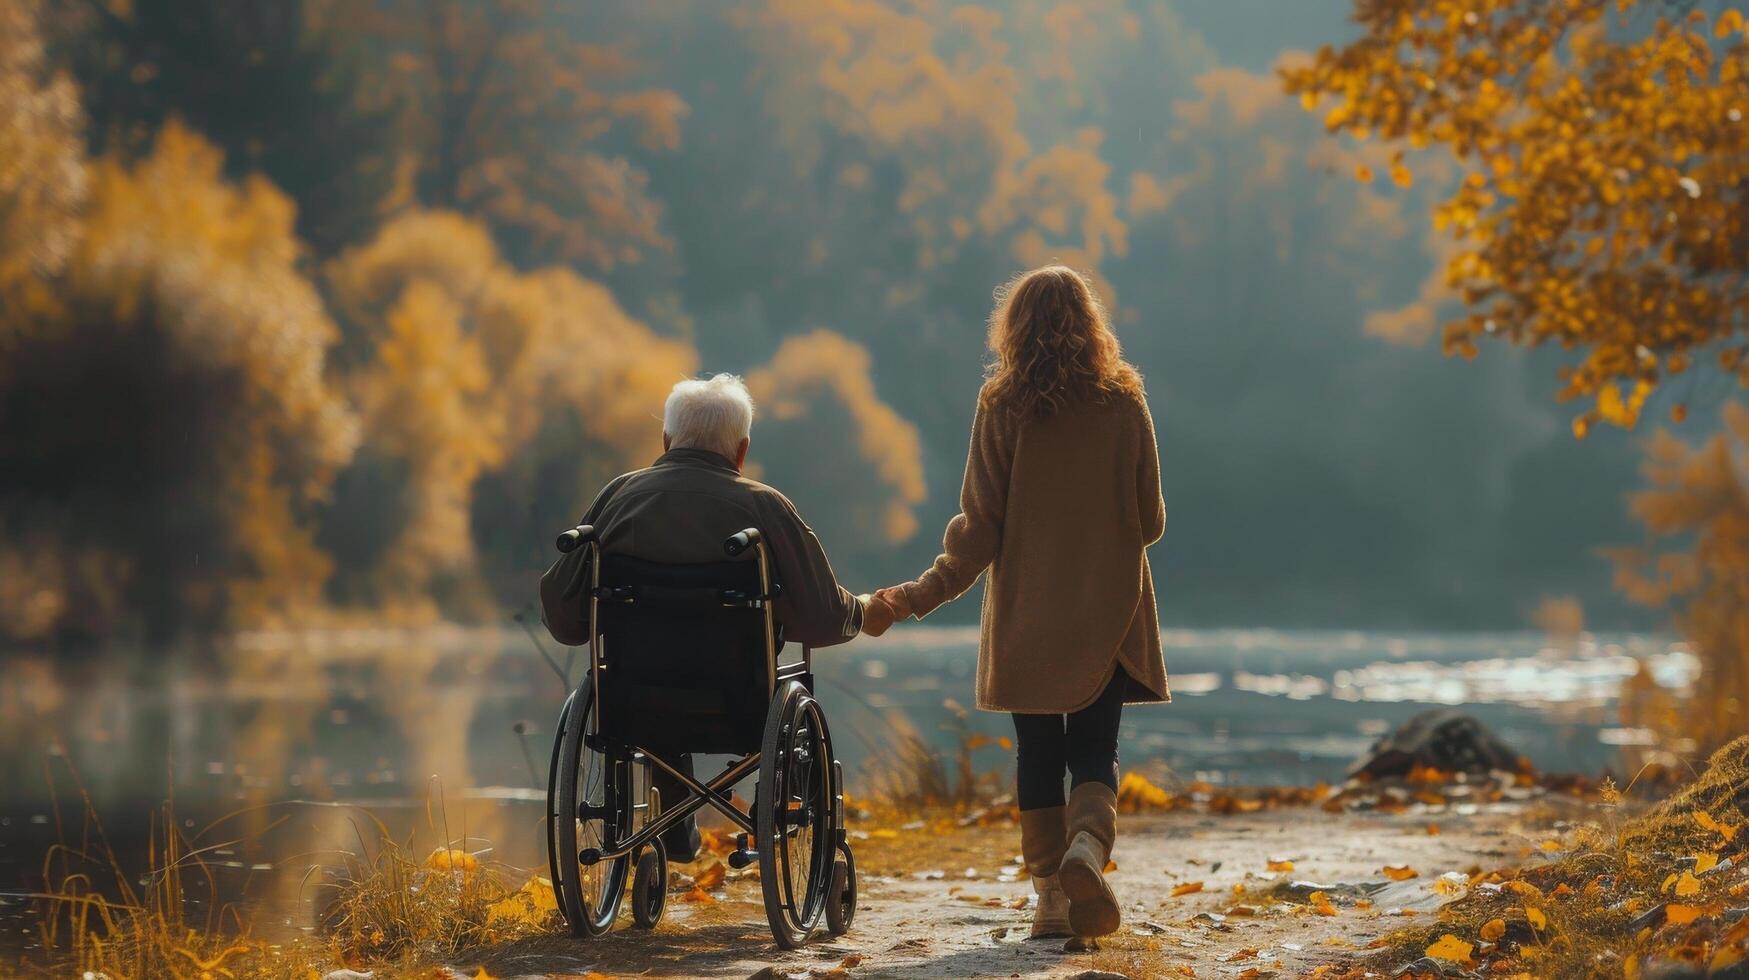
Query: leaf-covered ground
column 1278, row 891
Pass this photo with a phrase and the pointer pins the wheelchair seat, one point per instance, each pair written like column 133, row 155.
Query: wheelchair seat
column 684, row 660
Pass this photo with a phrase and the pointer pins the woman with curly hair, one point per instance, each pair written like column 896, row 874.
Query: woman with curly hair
column 1060, row 501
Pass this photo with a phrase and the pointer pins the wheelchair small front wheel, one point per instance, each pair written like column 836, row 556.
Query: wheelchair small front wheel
column 841, row 900
column 650, row 887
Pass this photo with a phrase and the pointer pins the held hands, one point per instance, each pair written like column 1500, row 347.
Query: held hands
column 882, row 609
column 877, row 616
column 897, row 600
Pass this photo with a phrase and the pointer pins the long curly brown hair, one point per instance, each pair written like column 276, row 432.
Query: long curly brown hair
column 1053, row 345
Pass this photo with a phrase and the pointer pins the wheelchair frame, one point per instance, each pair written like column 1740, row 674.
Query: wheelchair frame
column 792, row 711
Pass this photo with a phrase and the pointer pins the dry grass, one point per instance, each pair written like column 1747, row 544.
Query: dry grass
column 1616, row 898
column 386, row 910
column 96, row 921
column 914, row 776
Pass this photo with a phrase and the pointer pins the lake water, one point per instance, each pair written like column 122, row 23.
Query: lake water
column 284, row 750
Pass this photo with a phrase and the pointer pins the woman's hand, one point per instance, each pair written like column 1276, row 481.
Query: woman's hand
column 896, row 599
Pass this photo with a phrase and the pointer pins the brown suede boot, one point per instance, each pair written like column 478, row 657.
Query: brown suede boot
column 1092, row 829
column 1043, row 838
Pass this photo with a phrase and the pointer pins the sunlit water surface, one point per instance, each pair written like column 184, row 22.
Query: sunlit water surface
column 283, row 751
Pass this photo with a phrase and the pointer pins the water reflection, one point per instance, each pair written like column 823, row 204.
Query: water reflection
column 300, row 740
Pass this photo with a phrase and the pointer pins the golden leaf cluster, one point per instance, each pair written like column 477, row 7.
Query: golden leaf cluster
column 1602, row 206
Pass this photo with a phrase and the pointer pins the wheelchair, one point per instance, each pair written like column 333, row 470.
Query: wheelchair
column 684, row 659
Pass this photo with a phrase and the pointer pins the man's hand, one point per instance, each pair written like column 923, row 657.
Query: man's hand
column 896, row 599
column 877, row 616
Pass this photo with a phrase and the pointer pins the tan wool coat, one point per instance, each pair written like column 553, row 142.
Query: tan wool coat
column 1060, row 509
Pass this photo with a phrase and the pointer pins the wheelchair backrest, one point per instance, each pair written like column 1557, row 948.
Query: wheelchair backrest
column 684, row 654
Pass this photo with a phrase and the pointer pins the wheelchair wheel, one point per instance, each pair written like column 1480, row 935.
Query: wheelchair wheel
column 795, row 817
column 592, row 809
column 650, row 887
column 841, row 901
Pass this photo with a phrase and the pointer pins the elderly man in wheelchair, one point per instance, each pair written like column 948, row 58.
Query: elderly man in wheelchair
column 686, row 579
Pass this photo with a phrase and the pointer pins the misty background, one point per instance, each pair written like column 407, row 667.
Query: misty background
column 350, row 307
column 1316, row 473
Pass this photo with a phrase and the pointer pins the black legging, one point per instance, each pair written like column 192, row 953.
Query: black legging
column 1083, row 742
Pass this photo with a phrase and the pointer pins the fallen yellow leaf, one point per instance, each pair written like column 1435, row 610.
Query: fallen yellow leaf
column 1321, row 904
column 452, row 859
column 530, row 905
column 1681, row 915
column 1524, row 889
column 1281, row 865
column 1493, row 929
column 711, row 877
column 1188, row 888
column 1725, row 830
column 699, row 895
column 1705, row 862
column 1400, row 872
column 1688, row 885
column 1451, row 949
column 1538, row 921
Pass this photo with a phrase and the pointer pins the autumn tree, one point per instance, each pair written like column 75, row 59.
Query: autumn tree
column 277, row 89
column 166, row 423
column 482, row 389
column 42, row 163
column 822, row 426
column 1602, row 201
column 505, row 105
column 1696, row 510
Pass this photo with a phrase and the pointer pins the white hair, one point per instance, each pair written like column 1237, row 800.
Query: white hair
column 714, row 415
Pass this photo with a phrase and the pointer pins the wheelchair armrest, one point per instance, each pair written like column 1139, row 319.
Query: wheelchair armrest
column 575, row 537
column 740, row 541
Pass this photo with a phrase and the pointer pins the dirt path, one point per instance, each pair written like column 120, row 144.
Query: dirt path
column 944, row 905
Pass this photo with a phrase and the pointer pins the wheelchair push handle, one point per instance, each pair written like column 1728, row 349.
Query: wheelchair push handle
column 574, row 538
column 740, row 541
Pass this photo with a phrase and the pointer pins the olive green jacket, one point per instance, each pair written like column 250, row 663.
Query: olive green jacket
column 679, row 510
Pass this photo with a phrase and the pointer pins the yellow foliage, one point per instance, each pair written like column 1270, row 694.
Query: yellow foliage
column 472, row 358
column 1696, row 513
column 452, row 859
column 531, row 905
column 42, row 160
column 942, row 95
column 817, row 404
column 1603, row 209
column 183, row 295
column 1136, row 793
column 1451, row 949
column 505, row 103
